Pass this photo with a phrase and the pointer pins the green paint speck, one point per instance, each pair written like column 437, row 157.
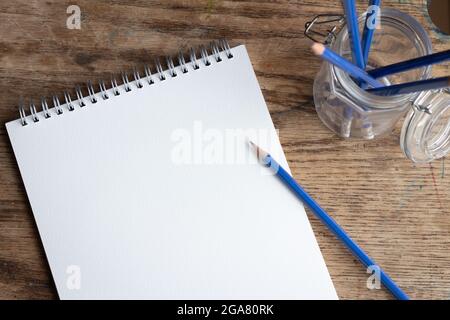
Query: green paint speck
column 209, row 5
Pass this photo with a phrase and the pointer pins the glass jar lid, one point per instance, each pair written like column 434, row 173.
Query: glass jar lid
column 425, row 134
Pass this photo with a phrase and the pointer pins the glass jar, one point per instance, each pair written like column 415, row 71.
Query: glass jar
column 351, row 112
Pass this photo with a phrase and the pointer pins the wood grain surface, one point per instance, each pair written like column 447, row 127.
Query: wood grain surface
column 398, row 211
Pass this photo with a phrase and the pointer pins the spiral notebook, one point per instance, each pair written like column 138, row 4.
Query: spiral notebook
column 136, row 196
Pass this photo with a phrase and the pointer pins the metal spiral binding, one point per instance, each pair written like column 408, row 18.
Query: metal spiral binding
column 148, row 74
column 218, row 51
column 226, row 47
column 159, row 69
column 204, row 55
column 194, row 61
column 137, row 78
column 33, row 112
column 23, row 116
column 171, row 67
column 80, row 96
column 68, row 101
column 57, row 105
column 114, row 86
column 215, row 51
column 45, row 108
column 103, row 92
column 91, row 92
column 126, row 82
column 182, row 62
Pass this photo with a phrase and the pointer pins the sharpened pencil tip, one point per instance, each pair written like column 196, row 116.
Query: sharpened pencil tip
column 318, row 48
column 260, row 153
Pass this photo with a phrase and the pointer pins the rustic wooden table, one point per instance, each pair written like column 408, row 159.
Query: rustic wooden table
column 397, row 211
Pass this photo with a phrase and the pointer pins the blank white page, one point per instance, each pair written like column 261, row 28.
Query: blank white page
column 132, row 201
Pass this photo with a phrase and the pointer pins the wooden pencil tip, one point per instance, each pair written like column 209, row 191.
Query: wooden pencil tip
column 318, row 48
column 260, row 153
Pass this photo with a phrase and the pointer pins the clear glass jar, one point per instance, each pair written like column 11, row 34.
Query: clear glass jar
column 351, row 112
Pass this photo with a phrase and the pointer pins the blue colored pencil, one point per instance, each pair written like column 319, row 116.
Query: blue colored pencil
column 368, row 32
column 351, row 17
column 410, row 64
column 268, row 161
column 411, row 87
column 335, row 59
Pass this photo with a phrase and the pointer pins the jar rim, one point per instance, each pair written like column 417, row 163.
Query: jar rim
column 425, row 136
column 377, row 101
